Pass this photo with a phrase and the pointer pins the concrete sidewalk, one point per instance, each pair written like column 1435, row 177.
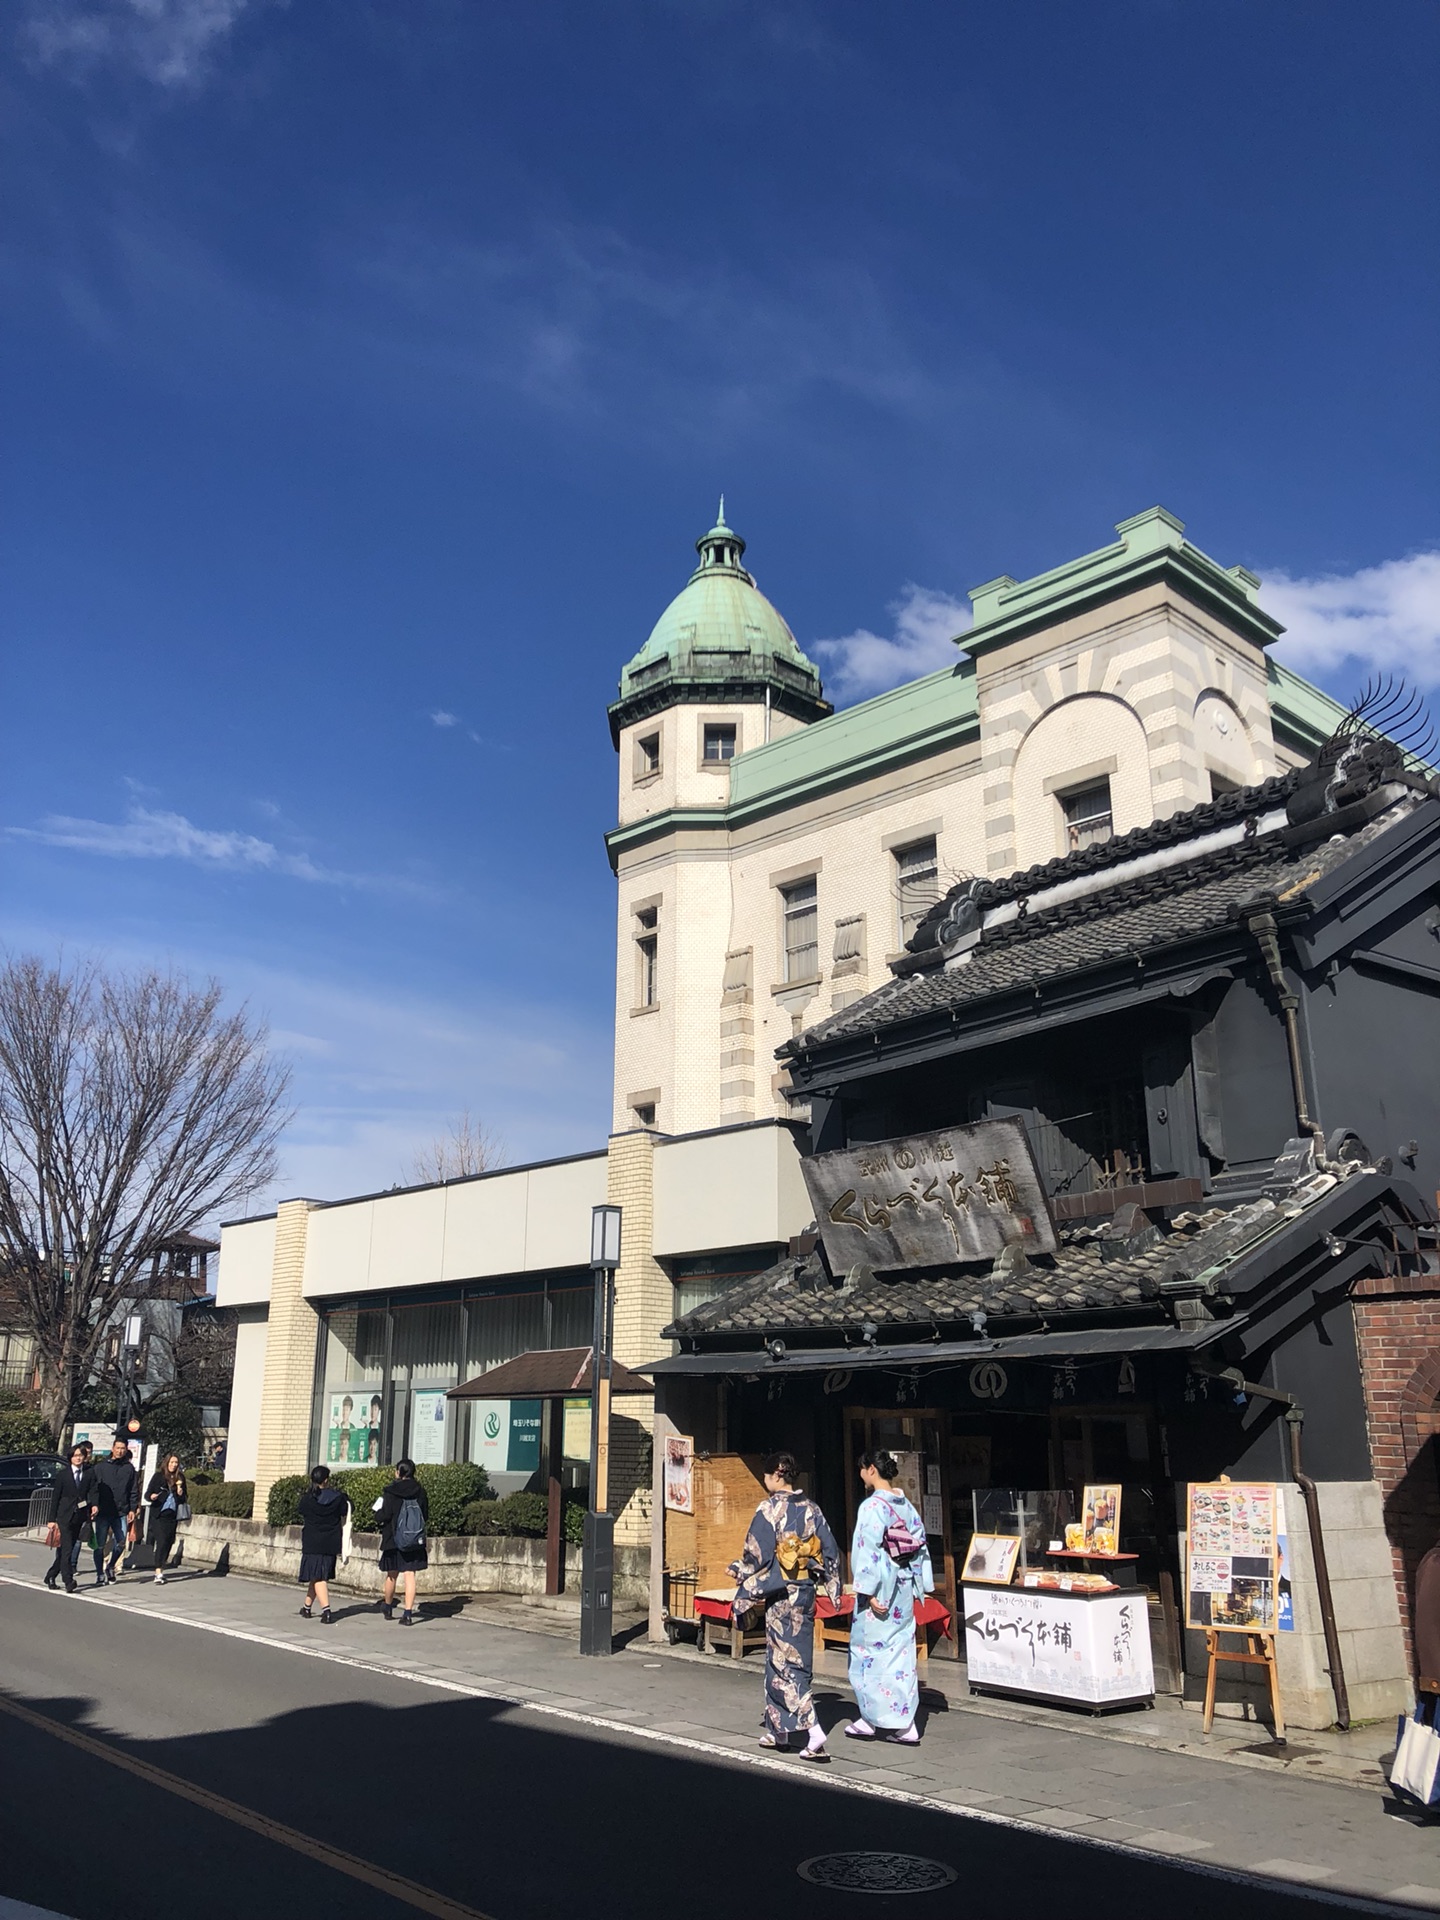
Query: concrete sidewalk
column 1139, row 1783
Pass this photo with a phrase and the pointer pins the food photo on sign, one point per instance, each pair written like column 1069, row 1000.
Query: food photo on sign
column 679, row 1473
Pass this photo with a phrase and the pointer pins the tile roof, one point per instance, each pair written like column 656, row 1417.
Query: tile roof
column 1090, row 1274
column 1065, row 916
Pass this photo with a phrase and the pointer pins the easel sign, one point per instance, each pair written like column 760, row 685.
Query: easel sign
column 1230, row 1558
column 1231, row 1580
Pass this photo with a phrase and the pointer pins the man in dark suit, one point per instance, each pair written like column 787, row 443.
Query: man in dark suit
column 74, row 1508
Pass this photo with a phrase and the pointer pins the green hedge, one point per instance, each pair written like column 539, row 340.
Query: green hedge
column 23, row 1431
column 523, row 1516
column 234, row 1498
column 450, row 1489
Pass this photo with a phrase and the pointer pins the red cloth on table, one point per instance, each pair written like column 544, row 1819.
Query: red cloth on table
column 928, row 1612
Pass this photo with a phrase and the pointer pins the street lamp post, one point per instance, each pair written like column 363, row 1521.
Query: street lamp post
column 129, row 1361
column 598, row 1565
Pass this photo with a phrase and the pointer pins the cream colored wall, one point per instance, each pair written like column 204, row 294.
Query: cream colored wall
column 1153, row 657
column 735, row 1189
column 247, row 1253
column 685, row 779
column 1090, row 736
column 1155, row 685
column 529, row 1221
column 246, row 1388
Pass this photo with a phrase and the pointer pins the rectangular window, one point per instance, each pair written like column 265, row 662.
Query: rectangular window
column 801, row 914
column 647, row 755
column 647, row 957
column 917, row 885
column 719, row 743
column 1221, row 783
column 1088, row 818
column 644, row 1113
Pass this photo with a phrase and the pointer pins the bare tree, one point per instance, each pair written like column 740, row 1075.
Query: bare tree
column 467, row 1146
column 132, row 1108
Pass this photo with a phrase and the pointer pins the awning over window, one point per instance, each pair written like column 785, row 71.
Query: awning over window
column 546, row 1374
column 1082, row 1342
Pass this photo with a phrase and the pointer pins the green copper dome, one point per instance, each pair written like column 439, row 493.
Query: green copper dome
column 719, row 641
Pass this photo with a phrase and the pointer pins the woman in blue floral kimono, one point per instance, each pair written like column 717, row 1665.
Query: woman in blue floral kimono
column 890, row 1568
column 790, row 1552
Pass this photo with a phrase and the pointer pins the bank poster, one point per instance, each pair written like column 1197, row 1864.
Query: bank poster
column 1231, row 1556
column 505, row 1435
column 427, row 1427
column 352, row 1427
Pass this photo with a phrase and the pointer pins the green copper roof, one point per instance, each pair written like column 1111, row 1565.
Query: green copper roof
column 719, row 638
column 1302, row 715
column 1151, row 545
column 923, row 717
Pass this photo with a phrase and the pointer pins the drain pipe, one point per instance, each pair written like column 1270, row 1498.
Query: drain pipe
column 1266, row 935
column 1310, row 1494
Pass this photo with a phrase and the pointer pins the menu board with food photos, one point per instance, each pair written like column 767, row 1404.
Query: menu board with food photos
column 1230, row 1556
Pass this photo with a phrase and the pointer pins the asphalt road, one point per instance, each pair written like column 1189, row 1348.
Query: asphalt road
column 482, row 1808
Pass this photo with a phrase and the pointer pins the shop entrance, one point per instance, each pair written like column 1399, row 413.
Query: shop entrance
column 918, row 1437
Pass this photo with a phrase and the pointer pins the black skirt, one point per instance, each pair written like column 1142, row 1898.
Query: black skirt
column 316, row 1566
column 393, row 1561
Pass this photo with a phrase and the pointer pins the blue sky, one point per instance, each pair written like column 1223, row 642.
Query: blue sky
column 369, row 370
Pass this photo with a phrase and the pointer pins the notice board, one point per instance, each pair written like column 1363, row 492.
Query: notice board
column 1230, row 1556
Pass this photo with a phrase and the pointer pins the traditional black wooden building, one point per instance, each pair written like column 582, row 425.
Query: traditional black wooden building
column 1221, row 1034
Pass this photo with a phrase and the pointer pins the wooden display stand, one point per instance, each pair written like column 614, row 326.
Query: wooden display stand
column 699, row 1546
column 1258, row 1651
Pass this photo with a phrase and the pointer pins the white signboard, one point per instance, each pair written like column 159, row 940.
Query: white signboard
column 100, row 1437
column 1032, row 1641
column 490, row 1434
column 427, row 1427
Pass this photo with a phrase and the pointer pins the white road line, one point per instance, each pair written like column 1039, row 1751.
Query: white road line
column 815, row 1777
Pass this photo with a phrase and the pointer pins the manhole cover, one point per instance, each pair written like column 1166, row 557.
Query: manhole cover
column 876, row 1872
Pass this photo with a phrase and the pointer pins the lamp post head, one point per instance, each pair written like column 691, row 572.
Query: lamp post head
column 605, row 1237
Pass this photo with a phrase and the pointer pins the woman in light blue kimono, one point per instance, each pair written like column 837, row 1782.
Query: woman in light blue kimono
column 890, row 1569
column 790, row 1555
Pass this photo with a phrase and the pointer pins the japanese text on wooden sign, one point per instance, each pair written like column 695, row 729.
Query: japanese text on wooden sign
column 1230, row 1550
column 932, row 1198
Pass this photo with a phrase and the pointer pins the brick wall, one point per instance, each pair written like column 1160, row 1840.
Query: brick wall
column 1397, row 1326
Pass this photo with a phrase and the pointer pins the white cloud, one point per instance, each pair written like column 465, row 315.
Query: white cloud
column 926, row 623
column 1382, row 619
column 169, row 42
column 442, row 719
column 148, row 833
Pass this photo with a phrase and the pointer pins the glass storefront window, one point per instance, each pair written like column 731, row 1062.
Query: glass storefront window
column 385, row 1369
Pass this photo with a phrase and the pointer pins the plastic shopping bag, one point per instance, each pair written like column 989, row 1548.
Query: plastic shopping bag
column 1416, row 1768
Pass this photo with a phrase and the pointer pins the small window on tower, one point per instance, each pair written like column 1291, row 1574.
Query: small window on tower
column 719, row 741
column 917, row 885
column 1089, row 820
column 647, row 957
column 647, row 755
column 800, row 914
column 645, row 1113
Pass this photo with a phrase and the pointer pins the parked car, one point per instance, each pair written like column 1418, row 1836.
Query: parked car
column 20, row 1475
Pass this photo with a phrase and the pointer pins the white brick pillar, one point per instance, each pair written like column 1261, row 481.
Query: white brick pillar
column 644, row 1303
column 291, row 1335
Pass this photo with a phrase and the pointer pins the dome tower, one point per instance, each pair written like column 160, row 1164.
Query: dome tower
column 720, row 675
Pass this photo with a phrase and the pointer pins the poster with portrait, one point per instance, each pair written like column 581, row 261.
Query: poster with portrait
column 679, row 1473
column 352, row 1427
column 1231, row 1553
column 427, row 1427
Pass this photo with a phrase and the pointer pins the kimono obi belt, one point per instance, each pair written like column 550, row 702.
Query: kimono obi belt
column 799, row 1557
column 928, row 1610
